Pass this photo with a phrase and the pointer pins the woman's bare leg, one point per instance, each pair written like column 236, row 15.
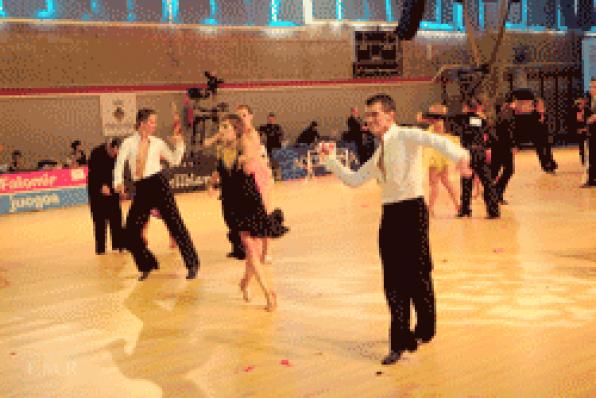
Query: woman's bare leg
column 254, row 254
column 444, row 177
column 248, row 269
column 265, row 258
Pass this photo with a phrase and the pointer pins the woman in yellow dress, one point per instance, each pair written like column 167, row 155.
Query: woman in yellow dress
column 438, row 165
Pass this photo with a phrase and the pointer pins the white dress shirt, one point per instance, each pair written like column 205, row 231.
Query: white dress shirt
column 158, row 150
column 402, row 161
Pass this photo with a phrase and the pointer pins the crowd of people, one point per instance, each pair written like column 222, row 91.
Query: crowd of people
column 387, row 152
column 520, row 118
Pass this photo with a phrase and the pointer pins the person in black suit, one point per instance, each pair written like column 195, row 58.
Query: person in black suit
column 503, row 149
column 77, row 157
column 103, row 200
column 227, row 176
column 362, row 138
column 578, row 122
column 542, row 139
column 273, row 136
column 272, row 133
column 309, row 135
column 473, row 129
column 15, row 162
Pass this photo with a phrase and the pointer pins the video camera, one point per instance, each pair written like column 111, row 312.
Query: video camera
column 204, row 114
column 213, row 82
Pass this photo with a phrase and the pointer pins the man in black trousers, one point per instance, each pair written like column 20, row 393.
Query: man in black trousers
column 272, row 133
column 103, row 200
column 403, row 234
column 152, row 190
column 473, row 129
column 503, row 150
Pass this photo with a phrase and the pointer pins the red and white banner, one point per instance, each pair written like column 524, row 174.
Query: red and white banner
column 41, row 180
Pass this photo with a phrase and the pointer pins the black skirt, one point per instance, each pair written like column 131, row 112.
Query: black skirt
column 250, row 214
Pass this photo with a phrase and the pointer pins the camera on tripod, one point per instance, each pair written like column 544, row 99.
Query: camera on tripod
column 204, row 114
column 213, row 82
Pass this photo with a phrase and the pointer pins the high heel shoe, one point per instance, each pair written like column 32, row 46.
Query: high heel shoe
column 244, row 289
column 272, row 302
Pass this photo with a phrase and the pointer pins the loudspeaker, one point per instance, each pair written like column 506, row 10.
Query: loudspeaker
column 410, row 19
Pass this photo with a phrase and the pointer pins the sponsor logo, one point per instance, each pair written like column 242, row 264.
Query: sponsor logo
column 33, row 202
column 188, row 181
column 19, row 182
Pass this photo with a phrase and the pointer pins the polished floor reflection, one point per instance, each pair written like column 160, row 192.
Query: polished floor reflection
column 515, row 299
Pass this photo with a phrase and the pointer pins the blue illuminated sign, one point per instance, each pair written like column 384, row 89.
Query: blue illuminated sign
column 212, row 12
column 388, row 11
column 274, row 19
column 130, row 6
column 260, row 12
column 49, row 12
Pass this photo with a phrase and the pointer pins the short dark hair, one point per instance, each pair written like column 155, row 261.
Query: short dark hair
column 16, row 152
column 385, row 100
column 75, row 144
column 143, row 115
column 115, row 142
column 271, row 114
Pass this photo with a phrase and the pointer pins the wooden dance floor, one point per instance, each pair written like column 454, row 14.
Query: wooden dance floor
column 515, row 302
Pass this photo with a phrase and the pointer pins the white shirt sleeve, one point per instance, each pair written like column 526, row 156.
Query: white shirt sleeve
column 172, row 157
column 367, row 171
column 442, row 144
column 123, row 154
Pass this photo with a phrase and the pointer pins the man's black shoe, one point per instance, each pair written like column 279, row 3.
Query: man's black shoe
column 192, row 272
column 462, row 214
column 421, row 338
column 144, row 275
column 391, row 358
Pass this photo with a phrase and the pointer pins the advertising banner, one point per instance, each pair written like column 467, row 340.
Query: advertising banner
column 46, row 179
column 42, row 200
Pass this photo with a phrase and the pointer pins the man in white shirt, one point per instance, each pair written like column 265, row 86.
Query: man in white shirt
column 403, row 234
column 152, row 190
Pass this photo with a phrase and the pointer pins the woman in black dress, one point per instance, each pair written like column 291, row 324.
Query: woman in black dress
column 245, row 203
